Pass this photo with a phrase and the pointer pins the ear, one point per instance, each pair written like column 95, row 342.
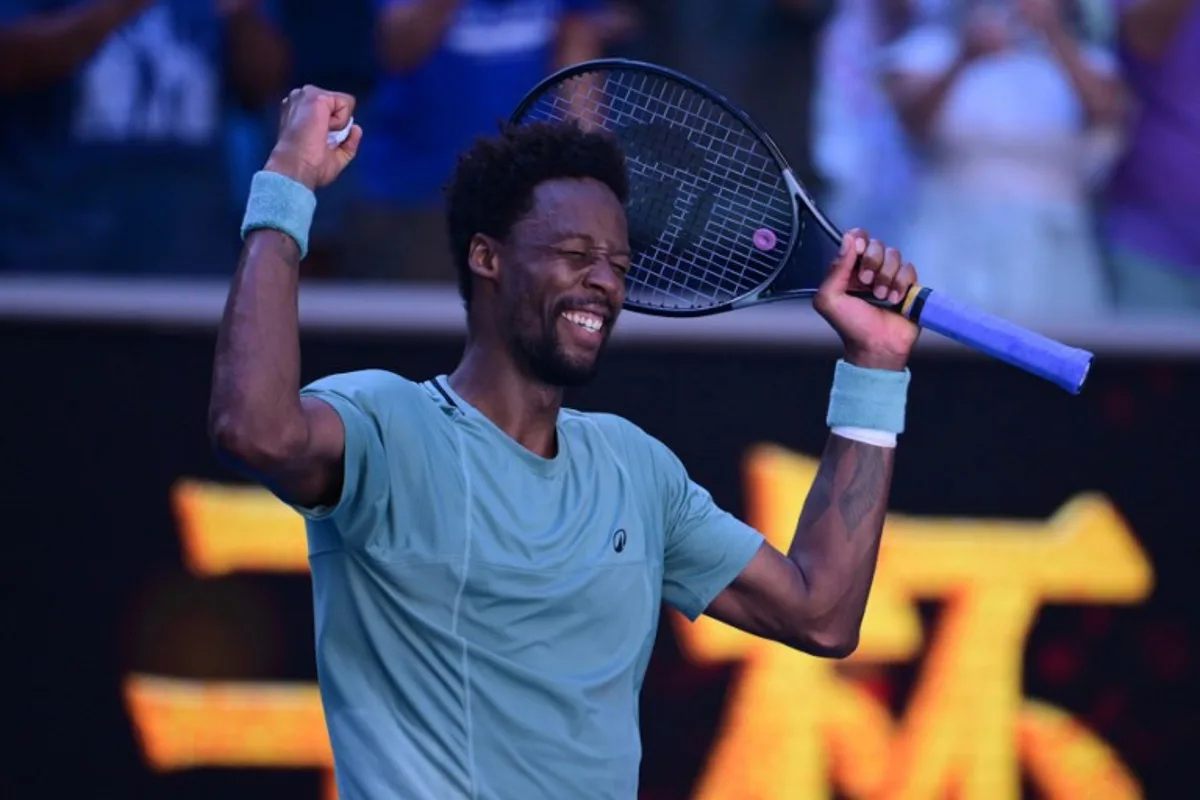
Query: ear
column 483, row 257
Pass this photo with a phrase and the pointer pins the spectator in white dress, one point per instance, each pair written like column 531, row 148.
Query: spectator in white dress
column 1015, row 118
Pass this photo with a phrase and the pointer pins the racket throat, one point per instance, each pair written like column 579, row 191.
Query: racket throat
column 810, row 205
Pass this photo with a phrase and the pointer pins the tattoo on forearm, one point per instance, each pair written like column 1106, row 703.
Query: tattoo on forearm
column 836, row 545
column 820, row 495
column 861, row 492
column 864, row 492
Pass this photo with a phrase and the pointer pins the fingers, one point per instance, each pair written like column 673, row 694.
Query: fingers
column 905, row 279
column 306, row 150
column 854, row 242
column 348, row 149
column 871, row 262
column 339, row 105
column 883, row 280
column 286, row 108
column 866, row 264
column 342, row 110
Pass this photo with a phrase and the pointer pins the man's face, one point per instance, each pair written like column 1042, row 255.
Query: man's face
column 563, row 280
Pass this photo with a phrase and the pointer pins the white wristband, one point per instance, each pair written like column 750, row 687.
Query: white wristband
column 865, row 435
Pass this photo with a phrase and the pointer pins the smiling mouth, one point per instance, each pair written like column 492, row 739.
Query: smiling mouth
column 593, row 323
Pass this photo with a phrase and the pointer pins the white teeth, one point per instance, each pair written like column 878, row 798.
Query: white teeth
column 584, row 320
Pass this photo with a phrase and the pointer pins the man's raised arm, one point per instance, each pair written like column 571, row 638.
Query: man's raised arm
column 257, row 420
column 814, row 597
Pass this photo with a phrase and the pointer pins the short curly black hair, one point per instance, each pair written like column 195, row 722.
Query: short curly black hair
column 493, row 182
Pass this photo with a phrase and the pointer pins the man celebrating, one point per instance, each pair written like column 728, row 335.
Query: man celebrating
column 487, row 566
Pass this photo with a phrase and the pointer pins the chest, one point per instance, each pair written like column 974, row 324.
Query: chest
column 1020, row 96
column 530, row 565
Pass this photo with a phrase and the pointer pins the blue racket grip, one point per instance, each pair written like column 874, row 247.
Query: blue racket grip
column 1056, row 362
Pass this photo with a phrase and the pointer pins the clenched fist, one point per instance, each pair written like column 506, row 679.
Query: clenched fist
column 876, row 338
column 303, row 151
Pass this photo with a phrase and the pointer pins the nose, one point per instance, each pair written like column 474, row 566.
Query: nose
column 606, row 277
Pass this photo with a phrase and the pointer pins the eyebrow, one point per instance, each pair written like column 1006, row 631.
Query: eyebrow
column 560, row 235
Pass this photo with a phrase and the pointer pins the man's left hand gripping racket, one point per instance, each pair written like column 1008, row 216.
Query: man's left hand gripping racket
column 715, row 213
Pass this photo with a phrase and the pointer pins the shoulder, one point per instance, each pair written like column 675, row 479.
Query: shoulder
column 376, row 392
column 610, row 426
column 361, row 383
column 634, row 445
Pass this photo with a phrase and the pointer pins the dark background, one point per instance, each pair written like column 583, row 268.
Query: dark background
column 101, row 420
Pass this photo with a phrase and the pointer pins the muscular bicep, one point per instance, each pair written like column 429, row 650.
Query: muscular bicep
column 765, row 599
column 312, row 476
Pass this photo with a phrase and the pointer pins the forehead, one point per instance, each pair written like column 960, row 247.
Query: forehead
column 567, row 206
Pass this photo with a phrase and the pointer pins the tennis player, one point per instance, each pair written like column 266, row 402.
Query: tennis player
column 488, row 567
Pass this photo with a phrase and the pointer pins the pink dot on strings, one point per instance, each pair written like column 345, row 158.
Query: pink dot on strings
column 765, row 239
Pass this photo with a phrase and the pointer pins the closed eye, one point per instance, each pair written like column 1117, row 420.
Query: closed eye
column 585, row 257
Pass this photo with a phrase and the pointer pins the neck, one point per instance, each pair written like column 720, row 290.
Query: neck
column 524, row 408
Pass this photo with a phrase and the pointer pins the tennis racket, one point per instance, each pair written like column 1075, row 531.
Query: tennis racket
column 716, row 215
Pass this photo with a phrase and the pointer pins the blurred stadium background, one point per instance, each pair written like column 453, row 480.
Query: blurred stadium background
column 1033, row 632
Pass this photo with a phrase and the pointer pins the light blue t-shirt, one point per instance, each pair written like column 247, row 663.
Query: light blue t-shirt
column 485, row 616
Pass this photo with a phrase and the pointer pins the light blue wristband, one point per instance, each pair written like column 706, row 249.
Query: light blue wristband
column 280, row 203
column 870, row 399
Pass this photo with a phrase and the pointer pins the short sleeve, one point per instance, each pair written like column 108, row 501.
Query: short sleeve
column 363, row 400
column 705, row 547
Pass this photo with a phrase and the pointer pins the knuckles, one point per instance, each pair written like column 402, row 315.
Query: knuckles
column 308, row 94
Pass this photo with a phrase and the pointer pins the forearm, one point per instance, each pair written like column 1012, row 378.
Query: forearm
column 255, row 408
column 836, row 545
column 1149, row 27
column 813, row 597
column 44, row 48
column 408, row 34
column 1100, row 94
column 259, row 58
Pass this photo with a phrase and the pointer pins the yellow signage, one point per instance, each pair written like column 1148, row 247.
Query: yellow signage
column 795, row 726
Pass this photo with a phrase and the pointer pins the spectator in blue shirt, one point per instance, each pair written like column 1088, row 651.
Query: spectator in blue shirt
column 453, row 68
column 113, row 158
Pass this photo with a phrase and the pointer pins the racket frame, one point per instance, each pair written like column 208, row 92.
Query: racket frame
column 1068, row 367
column 799, row 195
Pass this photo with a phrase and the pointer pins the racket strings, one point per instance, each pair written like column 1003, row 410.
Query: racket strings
column 723, row 274
column 670, row 283
column 710, row 216
column 720, row 256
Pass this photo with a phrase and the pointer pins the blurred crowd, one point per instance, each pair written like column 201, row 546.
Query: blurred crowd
column 1034, row 157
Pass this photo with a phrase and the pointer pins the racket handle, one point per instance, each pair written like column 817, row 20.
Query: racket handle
column 1056, row 362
